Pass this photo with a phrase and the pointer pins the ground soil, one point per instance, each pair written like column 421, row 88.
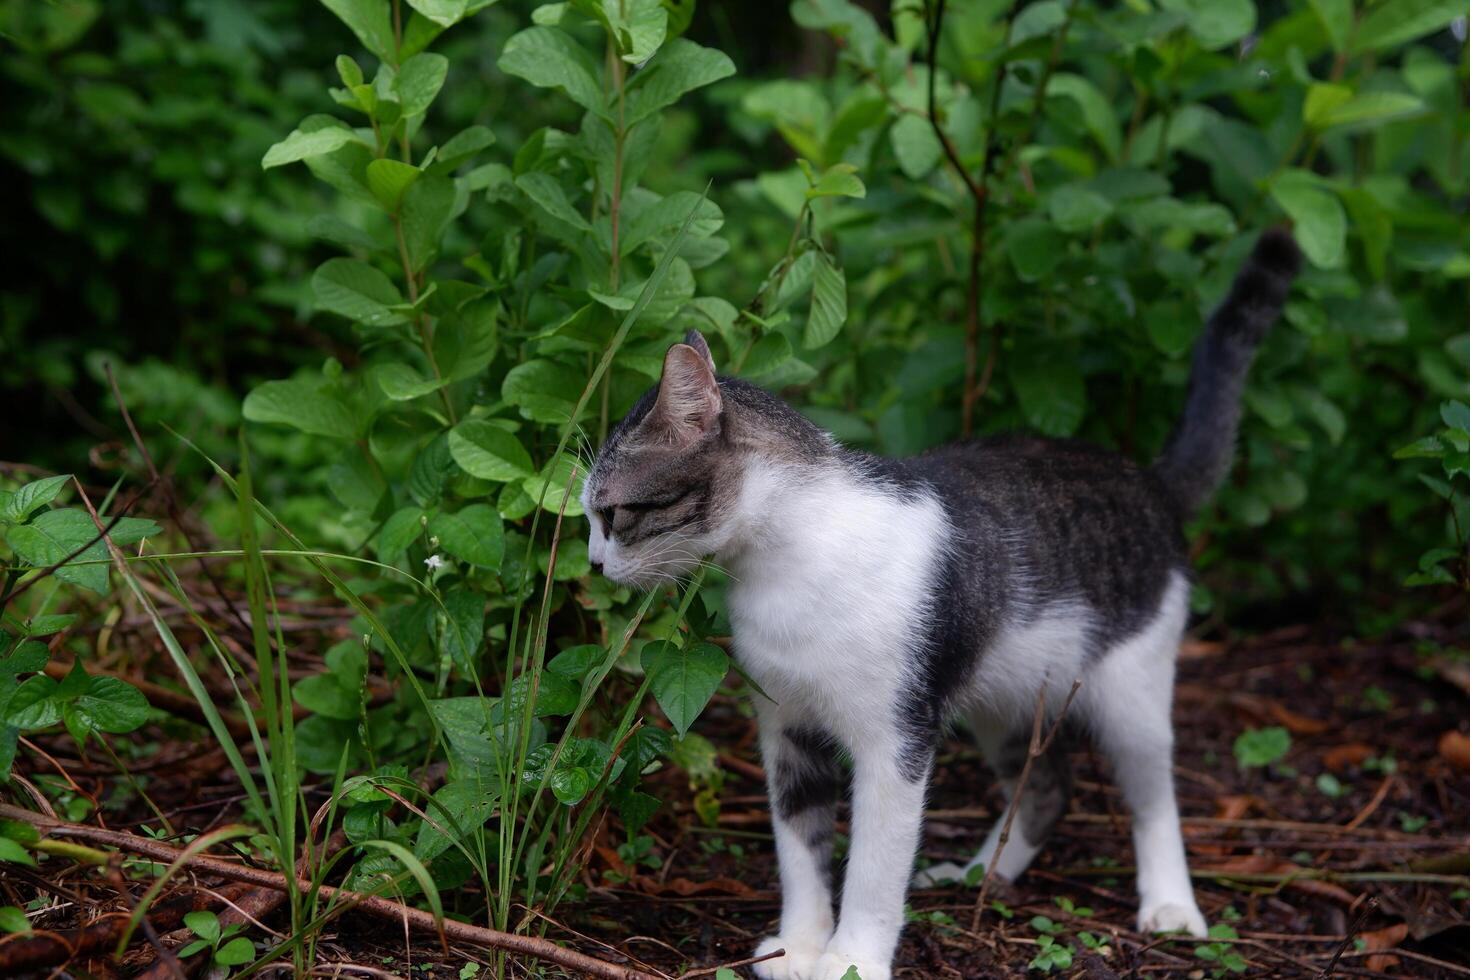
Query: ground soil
column 1348, row 857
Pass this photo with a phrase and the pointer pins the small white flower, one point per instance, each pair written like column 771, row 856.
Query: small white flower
column 433, row 563
column 1458, row 28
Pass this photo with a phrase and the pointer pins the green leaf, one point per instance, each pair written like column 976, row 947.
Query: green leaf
column 639, row 27
column 349, row 71
column 301, row 405
column 547, row 194
column 1076, row 209
column 445, row 13
column 325, row 695
column 559, row 479
column 1319, row 223
column 424, row 211
column 797, row 108
column 203, row 924
column 56, row 534
column 489, row 452
column 33, row 705
column 660, row 219
column 1363, row 111
column 13, row 919
column 1428, row 447
column 1261, row 746
column 545, row 391
column 1397, row 22
column 1215, row 23
column 401, row 382
column 829, row 304
column 356, row 290
column 915, row 145
column 1035, row 248
column 304, row 145
column 388, row 179
column 463, row 807
column 681, row 66
column 419, row 80
column 12, row 851
column 1051, row 391
column 1097, row 112
column 18, row 505
column 111, row 705
column 28, row 657
column 464, row 627
column 236, row 952
column 1337, row 20
column 473, row 534
column 838, row 180
column 1456, row 415
column 547, row 57
column 370, row 21
column 46, row 625
column 399, row 533
column 683, row 680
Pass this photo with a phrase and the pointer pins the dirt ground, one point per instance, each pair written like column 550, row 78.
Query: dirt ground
column 1350, row 856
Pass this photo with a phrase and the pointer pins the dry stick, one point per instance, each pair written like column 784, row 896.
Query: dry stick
column 1368, row 909
column 1039, row 747
column 416, row 919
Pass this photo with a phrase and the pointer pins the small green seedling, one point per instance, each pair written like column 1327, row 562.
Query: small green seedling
column 228, row 949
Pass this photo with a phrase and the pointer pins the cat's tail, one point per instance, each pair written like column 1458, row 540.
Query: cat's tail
column 1197, row 456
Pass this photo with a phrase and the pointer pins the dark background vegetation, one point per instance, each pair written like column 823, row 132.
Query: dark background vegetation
column 1127, row 156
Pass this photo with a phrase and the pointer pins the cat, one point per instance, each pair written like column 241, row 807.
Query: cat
column 875, row 600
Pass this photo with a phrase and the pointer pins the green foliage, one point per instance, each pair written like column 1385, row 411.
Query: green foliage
column 227, row 948
column 444, row 252
column 1447, row 564
column 1259, row 747
column 64, row 542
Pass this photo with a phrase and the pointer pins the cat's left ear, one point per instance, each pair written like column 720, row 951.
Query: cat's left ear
column 696, row 340
column 689, row 403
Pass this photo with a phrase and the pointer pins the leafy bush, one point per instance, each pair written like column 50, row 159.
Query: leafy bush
column 982, row 217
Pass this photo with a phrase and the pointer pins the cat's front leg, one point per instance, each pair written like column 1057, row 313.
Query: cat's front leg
column 890, row 777
column 804, row 782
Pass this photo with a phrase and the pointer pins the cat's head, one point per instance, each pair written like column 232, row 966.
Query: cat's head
column 662, row 493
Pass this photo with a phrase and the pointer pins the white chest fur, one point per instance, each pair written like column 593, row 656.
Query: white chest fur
column 829, row 588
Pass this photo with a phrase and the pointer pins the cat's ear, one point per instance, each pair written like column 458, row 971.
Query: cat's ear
column 696, row 340
column 688, row 405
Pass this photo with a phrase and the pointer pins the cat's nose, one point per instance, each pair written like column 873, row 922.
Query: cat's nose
column 597, row 567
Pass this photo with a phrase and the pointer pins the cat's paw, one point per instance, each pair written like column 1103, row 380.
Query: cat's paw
column 797, row 964
column 938, row 875
column 835, row 966
column 1173, row 917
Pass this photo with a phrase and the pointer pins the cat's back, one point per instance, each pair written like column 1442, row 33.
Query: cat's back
column 1055, row 477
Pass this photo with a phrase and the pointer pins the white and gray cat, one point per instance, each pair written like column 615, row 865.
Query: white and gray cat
column 875, row 600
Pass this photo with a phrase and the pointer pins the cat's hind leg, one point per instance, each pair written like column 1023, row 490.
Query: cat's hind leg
column 1127, row 699
column 1043, row 802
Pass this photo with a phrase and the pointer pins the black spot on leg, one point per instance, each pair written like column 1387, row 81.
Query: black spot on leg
column 806, row 776
column 1048, row 786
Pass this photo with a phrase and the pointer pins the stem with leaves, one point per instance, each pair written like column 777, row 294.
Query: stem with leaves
column 980, row 193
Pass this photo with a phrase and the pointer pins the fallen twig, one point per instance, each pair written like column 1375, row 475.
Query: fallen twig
column 415, row 919
column 1039, row 747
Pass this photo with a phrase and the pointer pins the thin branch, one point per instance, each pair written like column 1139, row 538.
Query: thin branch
column 980, row 191
column 1039, row 747
column 416, row 919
